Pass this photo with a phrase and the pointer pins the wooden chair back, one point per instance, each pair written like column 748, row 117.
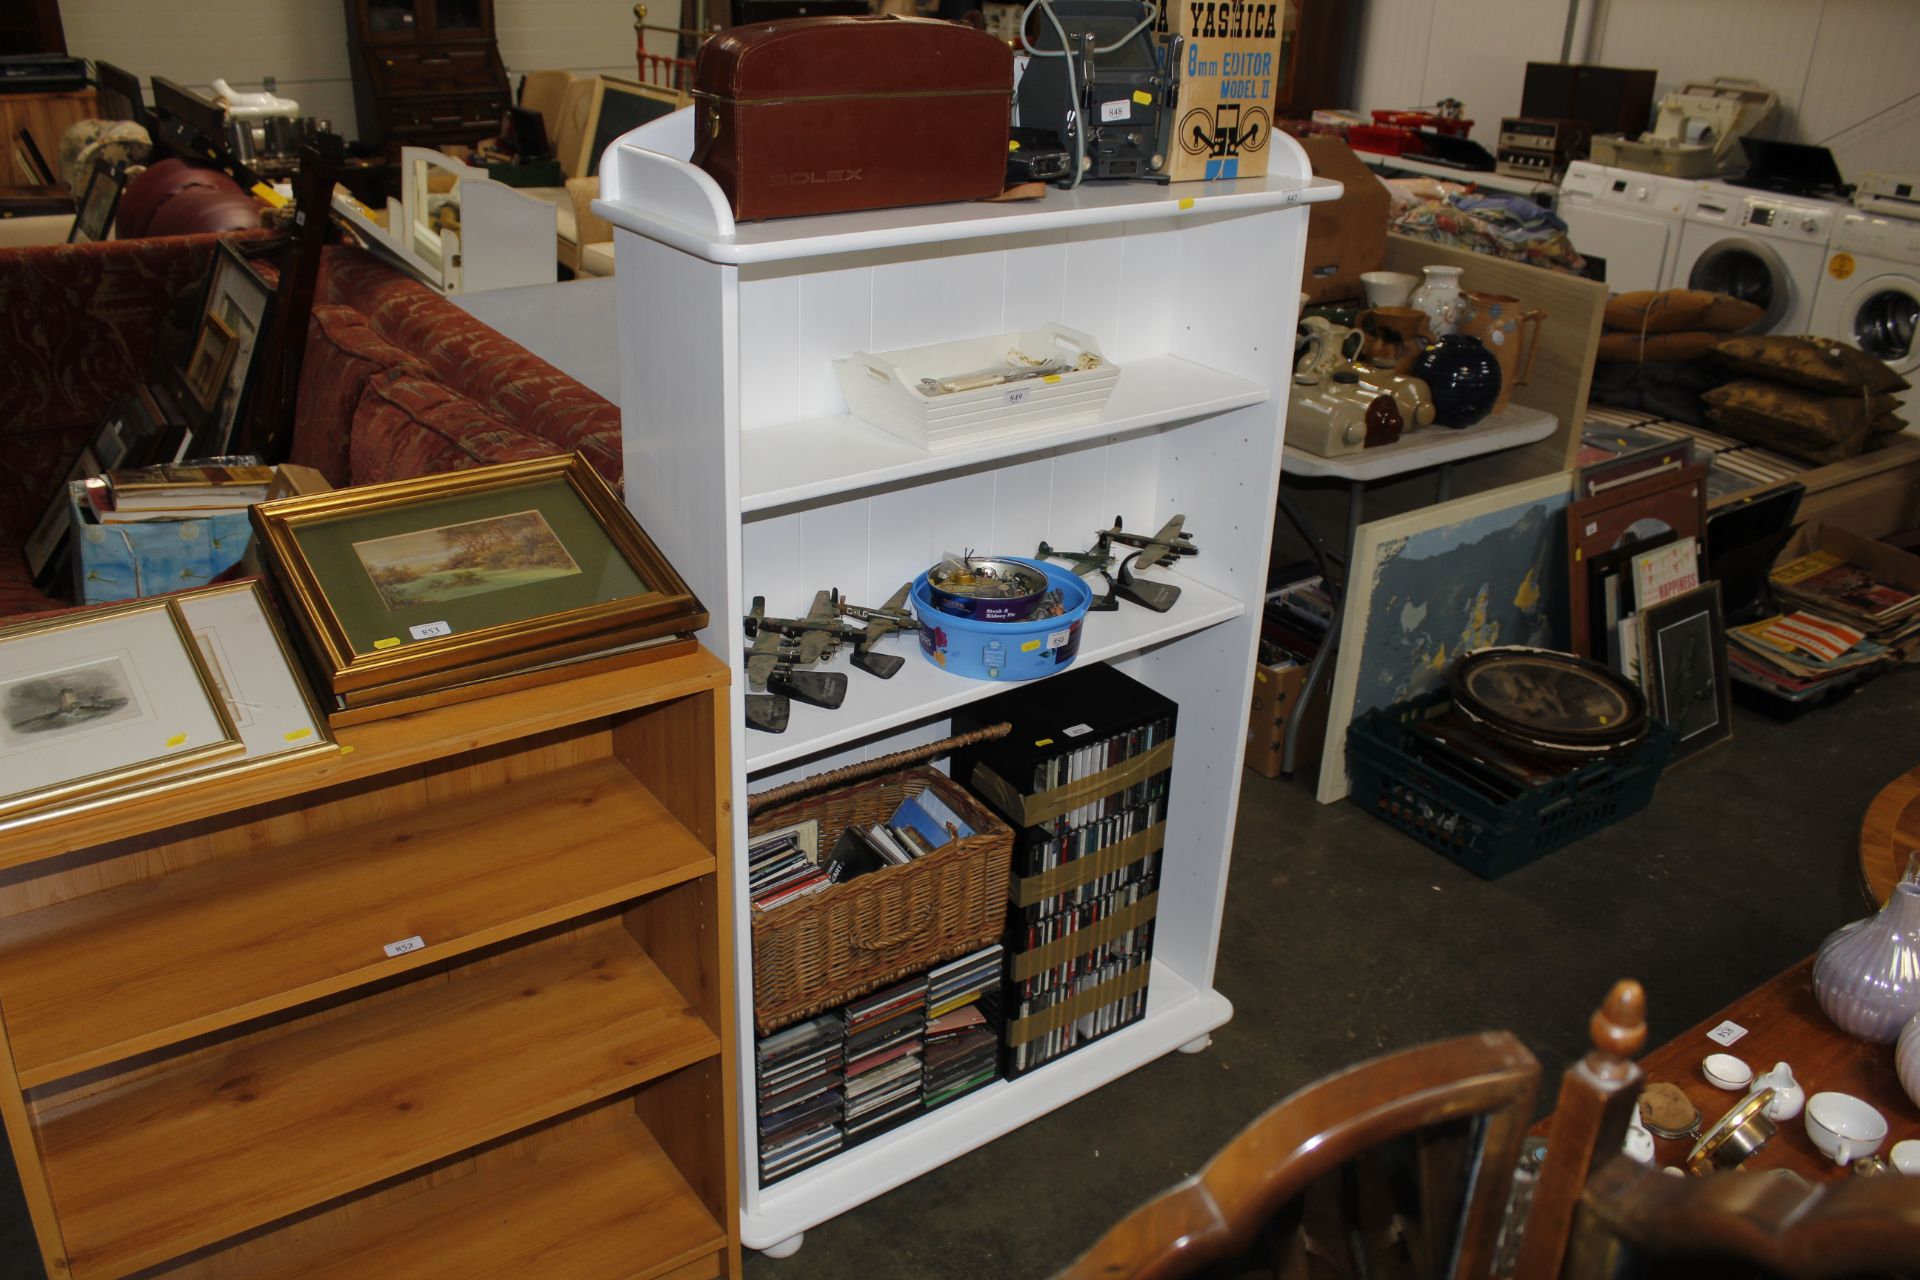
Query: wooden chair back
column 1397, row 1167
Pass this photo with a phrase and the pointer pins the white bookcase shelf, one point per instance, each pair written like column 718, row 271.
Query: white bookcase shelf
column 818, row 457
column 743, row 462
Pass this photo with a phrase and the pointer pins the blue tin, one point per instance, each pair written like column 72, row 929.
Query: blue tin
column 1004, row 650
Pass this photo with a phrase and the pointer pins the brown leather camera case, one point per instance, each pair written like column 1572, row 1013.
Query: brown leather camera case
column 828, row 115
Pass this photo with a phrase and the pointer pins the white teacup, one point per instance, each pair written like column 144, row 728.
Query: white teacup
column 1905, row 1156
column 1388, row 288
column 1843, row 1127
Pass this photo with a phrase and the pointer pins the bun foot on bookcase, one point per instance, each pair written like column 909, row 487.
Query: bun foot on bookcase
column 788, row 1247
column 1199, row 1045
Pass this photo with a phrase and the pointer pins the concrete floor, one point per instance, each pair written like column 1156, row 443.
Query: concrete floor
column 1344, row 940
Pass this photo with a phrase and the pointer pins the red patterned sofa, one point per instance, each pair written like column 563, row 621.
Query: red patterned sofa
column 397, row 381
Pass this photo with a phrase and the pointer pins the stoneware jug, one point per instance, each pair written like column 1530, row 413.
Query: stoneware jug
column 1499, row 322
column 1867, row 975
column 1439, row 296
column 1394, row 336
column 1324, row 347
column 1462, row 377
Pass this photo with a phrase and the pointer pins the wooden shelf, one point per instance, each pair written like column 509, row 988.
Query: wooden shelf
column 112, row 974
column 605, row 1205
column 226, row 1142
column 366, row 751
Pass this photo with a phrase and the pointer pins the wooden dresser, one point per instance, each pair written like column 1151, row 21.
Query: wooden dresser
column 426, row 72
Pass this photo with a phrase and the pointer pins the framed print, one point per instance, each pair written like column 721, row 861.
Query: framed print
column 235, row 311
column 1670, row 501
column 393, row 581
column 255, row 673
column 1684, row 668
column 93, row 702
column 1432, row 584
column 211, row 359
column 94, row 218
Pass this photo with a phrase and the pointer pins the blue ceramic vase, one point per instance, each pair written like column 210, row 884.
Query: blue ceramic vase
column 1463, row 378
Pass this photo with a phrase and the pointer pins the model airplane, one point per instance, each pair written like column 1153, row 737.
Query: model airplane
column 1160, row 548
column 882, row 621
column 1157, row 550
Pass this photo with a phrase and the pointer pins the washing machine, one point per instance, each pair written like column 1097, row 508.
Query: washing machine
column 1630, row 219
column 1765, row 248
column 1870, row 295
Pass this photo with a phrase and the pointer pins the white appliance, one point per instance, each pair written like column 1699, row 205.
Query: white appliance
column 1870, row 295
column 1631, row 219
column 1896, row 195
column 1765, row 248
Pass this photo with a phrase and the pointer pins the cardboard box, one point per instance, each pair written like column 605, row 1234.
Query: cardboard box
column 1275, row 691
column 1346, row 236
column 1230, row 71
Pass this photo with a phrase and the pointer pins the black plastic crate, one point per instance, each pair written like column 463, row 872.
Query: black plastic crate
column 1470, row 814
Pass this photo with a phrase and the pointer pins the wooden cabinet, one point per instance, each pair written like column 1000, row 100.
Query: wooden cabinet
column 426, row 72
column 47, row 116
column 456, row 1001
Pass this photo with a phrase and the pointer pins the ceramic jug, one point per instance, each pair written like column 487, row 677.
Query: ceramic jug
column 1498, row 321
column 1394, row 336
column 1439, row 296
column 1867, row 975
column 1324, row 347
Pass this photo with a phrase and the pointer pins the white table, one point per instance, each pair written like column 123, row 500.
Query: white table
column 1544, row 193
column 1429, row 447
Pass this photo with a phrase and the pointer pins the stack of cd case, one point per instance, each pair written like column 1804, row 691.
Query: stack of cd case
column 1084, row 778
column 963, row 1026
column 801, row 1077
column 885, row 1038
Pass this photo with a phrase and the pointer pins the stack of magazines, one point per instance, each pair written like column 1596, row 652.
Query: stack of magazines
column 1838, row 618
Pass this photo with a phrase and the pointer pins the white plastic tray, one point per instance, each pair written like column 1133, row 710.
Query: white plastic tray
column 886, row 389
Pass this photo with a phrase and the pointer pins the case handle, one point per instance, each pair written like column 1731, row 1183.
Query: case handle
column 913, row 932
column 774, row 797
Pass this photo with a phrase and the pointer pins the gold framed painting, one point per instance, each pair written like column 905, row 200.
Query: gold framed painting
column 401, row 580
column 93, row 702
column 212, row 357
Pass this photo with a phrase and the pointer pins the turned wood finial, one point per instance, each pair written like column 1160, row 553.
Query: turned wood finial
column 1619, row 1027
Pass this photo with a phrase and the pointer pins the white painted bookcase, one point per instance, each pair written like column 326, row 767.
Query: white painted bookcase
column 746, row 469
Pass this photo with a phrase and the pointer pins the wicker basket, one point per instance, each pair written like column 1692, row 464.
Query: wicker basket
column 829, row 947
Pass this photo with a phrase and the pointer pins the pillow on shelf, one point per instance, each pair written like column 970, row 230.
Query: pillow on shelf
column 1669, row 390
column 1665, row 348
column 1673, row 310
column 1818, row 364
column 1800, row 424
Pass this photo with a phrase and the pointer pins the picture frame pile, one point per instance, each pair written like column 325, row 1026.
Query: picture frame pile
column 442, row 588
column 129, row 700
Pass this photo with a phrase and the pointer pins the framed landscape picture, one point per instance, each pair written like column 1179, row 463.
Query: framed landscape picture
column 219, row 375
column 92, row 702
column 394, row 581
column 98, row 203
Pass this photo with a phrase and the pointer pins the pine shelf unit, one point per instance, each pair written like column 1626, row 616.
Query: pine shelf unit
column 755, row 480
column 216, row 1066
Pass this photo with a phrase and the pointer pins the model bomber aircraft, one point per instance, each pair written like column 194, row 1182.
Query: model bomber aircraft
column 1159, row 549
column 781, row 646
